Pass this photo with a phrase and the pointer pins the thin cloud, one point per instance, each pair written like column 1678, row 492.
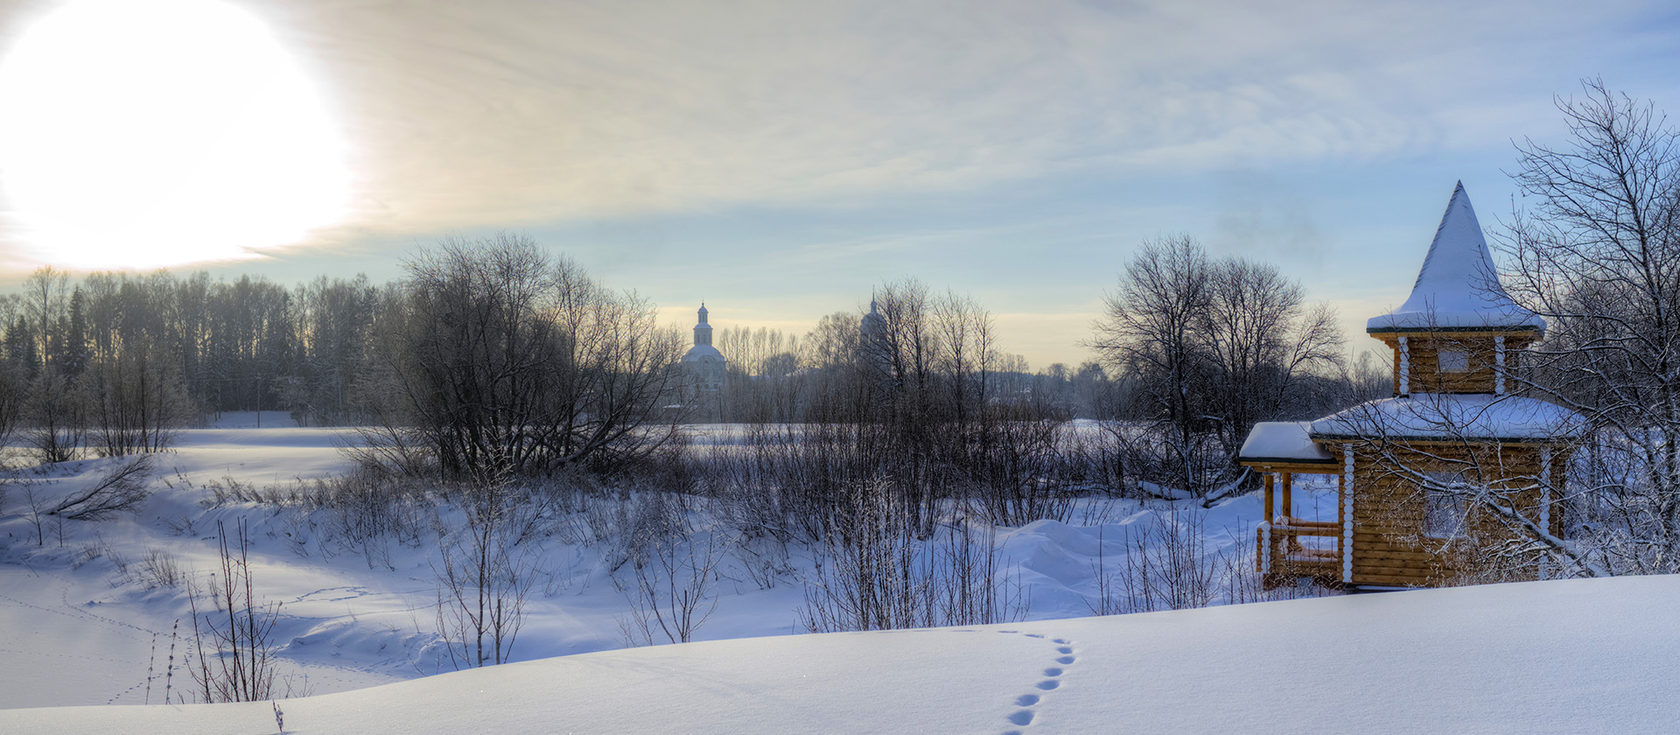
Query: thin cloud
column 508, row 113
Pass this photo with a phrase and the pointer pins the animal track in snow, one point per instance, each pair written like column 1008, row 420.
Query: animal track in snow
column 334, row 594
column 1028, row 703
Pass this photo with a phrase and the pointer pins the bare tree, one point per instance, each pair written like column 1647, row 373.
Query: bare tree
column 136, row 400
column 484, row 575
column 120, row 489
column 499, row 359
column 13, row 390
column 873, row 573
column 675, row 588
column 1150, row 330
column 37, row 503
column 1262, row 340
column 46, row 299
column 56, row 413
column 234, row 636
column 1596, row 251
column 1208, row 348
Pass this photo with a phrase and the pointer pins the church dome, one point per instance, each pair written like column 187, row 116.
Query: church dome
column 704, row 363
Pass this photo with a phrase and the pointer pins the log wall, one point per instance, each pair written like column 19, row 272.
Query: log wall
column 1389, row 544
column 1424, row 362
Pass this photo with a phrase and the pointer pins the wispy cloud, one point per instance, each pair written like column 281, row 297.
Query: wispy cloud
column 513, row 112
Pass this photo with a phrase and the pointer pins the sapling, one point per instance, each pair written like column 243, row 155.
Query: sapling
column 169, row 670
column 151, row 667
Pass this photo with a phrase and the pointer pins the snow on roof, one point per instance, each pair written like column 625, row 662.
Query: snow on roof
column 1452, row 416
column 1283, row 441
column 1458, row 286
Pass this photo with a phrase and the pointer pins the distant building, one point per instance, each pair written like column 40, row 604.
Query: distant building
column 704, row 371
column 874, row 348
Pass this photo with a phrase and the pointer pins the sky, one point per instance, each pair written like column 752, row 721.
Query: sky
column 778, row 160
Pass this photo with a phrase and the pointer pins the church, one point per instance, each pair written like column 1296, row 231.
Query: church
column 1448, row 479
column 704, row 373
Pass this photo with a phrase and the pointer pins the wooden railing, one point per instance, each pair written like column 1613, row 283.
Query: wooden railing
column 1280, row 556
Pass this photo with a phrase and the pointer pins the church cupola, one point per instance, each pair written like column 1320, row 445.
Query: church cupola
column 702, row 330
column 706, row 366
column 1458, row 332
column 873, row 325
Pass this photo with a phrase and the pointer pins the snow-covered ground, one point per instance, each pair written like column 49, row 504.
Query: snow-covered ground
column 85, row 623
column 1565, row 656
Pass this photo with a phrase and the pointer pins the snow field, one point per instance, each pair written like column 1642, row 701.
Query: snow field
column 1564, row 656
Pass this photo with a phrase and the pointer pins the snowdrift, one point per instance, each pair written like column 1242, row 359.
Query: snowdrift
column 1562, row 656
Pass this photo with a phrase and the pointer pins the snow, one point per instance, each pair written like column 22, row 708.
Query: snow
column 1452, row 416
column 80, row 620
column 1282, row 440
column 1564, row 656
column 1458, row 286
column 358, row 623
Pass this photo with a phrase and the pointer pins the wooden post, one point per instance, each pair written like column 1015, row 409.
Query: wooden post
column 1499, row 365
column 1405, row 371
column 1545, row 503
column 1266, row 511
column 1286, row 505
column 1346, row 513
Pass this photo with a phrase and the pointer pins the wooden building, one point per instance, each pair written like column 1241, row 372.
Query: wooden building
column 1439, row 483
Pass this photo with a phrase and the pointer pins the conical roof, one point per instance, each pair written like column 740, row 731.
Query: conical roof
column 1458, row 287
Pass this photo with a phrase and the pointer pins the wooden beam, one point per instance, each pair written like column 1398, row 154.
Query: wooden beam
column 1266, row 510
column 1303, row 468
column 1286, row 505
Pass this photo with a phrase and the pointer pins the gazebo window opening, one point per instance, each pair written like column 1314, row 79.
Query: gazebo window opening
column 1443, row 504
column 1454, row 361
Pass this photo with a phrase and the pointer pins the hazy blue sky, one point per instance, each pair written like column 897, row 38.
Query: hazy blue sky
column 777, row 159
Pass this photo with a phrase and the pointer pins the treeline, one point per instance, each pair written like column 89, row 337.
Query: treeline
column 544, row 366
column 249, row 344
column 113, row 361
column 774, row 376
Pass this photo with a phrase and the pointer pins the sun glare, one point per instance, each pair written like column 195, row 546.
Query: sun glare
column 148, row 134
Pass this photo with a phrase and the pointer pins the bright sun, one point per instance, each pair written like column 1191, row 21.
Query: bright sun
column 147, row 134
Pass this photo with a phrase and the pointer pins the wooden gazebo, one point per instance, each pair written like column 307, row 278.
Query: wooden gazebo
column 1428, row 480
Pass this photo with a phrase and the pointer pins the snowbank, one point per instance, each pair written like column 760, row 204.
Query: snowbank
column 1564, row 656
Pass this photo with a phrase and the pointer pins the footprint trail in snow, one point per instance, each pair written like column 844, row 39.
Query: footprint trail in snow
column 1028, row 703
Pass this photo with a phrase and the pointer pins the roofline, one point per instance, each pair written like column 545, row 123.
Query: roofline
column 1437, row 439
column 1284, row 460
column 1425, row 330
